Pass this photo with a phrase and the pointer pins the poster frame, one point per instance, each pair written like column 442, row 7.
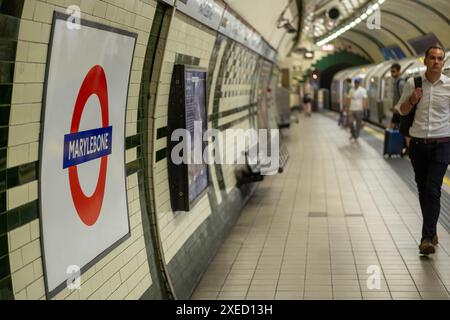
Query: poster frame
column 178, row 175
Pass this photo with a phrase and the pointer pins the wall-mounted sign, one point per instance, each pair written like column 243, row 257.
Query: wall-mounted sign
column 422, row 43
column 215, row 16
column 188, row 172
column 207, row 12
column 84, row 210
column 232, row 27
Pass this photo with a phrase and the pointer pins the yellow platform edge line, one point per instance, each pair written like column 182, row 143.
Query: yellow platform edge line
column 373, row 132
column 446, row 181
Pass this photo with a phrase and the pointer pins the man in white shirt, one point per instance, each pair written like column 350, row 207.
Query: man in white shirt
column 358, row 102
column 430, row 140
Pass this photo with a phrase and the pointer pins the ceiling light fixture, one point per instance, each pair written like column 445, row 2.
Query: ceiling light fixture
column 370, row 9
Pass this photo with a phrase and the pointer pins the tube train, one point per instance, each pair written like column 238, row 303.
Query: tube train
column 378, row 82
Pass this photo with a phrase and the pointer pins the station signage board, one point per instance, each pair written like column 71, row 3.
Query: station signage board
column 207, row 12
column 83, row 200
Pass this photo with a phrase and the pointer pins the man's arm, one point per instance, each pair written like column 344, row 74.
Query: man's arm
column 414, row 99
column 404, row 105
column 401, row 86
column 365, row 100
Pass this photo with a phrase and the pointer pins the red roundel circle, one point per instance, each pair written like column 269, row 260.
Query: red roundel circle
column 88, row 208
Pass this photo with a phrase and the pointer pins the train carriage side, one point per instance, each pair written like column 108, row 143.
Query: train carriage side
column 372, row 84
column 338, row 87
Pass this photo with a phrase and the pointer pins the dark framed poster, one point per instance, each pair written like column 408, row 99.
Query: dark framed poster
column 187, row 124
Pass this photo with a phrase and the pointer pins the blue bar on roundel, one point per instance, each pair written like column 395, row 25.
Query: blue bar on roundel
column 85, row 146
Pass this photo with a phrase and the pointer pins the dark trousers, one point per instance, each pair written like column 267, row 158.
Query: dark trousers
column 356, row 123
column 430, row 163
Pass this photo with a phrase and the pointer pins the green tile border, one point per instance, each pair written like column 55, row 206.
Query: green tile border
column 132, row 141
column 218, row 91
column 227, row 113
column 8, row 49
column 160, row 288
column 186, row 59
column 22, row 174
column 10, row 14
column 4, row 133
column 161, row 133
column 22, row 215
column 161, row 155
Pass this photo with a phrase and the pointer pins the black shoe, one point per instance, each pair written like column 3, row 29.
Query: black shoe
column 426, row 247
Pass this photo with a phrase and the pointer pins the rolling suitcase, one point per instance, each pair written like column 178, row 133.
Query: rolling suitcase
column 393, row 143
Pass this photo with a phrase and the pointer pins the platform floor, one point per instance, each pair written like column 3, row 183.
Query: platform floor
column 339, row 211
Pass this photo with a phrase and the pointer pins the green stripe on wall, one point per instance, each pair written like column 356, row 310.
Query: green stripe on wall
column 161, row 154
column 10, row 14
column 161, row 133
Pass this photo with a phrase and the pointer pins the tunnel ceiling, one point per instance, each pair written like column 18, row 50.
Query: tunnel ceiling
column 269, row 17
column 316, row 20
column 401, row 20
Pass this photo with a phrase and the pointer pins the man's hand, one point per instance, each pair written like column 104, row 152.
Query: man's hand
column 414, row 99
column 416, row 96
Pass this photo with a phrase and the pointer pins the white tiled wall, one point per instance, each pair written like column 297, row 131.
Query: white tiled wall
column 190, row 38
column 242, row 65
column 124, row 272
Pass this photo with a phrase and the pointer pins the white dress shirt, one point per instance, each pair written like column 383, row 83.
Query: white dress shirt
column 432, row 118
column 356, row 97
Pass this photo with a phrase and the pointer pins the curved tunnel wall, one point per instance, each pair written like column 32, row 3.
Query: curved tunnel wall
column 401, row 20
column 181, row 244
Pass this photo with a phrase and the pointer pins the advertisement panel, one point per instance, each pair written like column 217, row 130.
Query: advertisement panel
column 83, row 201
column 195, row 84
column 187, row 125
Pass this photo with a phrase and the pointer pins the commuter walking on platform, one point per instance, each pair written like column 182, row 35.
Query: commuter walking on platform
column 428, row 107
column 343, row 115
column 357, row 98
column 307, row 99
column 398, row 84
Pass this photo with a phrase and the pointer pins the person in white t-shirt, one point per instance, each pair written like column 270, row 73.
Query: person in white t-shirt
column 357, row 98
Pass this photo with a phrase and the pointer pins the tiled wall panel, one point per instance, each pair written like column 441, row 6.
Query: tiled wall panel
column 189, row 240
column 124, row 272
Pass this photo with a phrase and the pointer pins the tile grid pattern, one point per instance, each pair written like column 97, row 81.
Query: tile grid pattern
column 185, row 38
column 10, row 12
column 124, row 273
column 372, row 219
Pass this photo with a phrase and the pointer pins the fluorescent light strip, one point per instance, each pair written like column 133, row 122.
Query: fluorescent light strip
column 351, row 25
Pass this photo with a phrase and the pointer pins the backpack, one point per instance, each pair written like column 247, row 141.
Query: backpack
column 407, row 121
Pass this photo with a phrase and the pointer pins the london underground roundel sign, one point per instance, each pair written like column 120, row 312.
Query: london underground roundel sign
column 80, row 147
column 82, row 181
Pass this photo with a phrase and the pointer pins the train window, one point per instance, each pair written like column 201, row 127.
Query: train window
column 388, row 88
